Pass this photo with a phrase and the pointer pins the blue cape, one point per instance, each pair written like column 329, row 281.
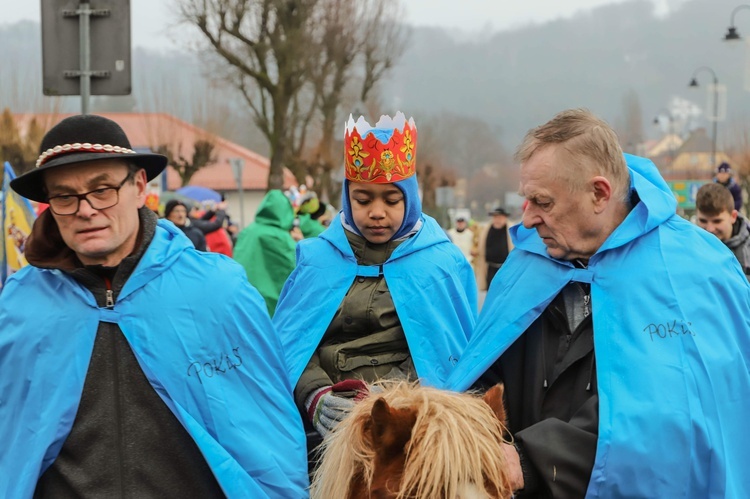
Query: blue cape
column 672, row 340
column 430, row 281
column 189, row 316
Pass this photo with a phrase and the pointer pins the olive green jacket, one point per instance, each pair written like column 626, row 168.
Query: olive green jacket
column 365, row 339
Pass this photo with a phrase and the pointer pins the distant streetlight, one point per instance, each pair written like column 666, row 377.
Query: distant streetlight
column 732, row 34
column 657, row 120
column 694, row 84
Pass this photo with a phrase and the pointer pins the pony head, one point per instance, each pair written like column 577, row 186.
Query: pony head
column 417, row 442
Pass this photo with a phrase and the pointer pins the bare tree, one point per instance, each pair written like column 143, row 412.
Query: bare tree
column 360, row 41
column 19, row 147
column 266, row 45
column 186, row 167
column 383, row 42
column 464, row 143
column 630, row 127
column 430, row 178
column 740, row 154
column 293, row 62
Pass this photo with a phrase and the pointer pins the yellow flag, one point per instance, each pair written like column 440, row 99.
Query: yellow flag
column 17, row 219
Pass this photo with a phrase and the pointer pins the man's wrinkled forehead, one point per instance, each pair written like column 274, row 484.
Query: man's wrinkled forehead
column 83, row 174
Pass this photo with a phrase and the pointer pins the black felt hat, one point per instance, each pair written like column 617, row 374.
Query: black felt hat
column 499, row 211
column 79, row 139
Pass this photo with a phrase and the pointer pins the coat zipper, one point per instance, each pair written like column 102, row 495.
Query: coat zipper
column 110, row 293
column 110, row 302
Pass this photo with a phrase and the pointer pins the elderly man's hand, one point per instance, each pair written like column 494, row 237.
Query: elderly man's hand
column 513, row 461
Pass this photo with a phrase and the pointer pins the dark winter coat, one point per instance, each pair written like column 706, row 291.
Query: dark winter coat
column 552, row 403
column 153, row 455
column 739, row 243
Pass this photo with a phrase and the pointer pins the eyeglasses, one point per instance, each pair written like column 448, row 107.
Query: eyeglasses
column 98, row 199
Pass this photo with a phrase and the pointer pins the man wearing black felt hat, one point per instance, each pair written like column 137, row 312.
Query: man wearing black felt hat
column 494, row 246
column 135, row 357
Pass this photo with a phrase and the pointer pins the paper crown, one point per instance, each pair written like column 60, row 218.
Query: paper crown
column 381, row 154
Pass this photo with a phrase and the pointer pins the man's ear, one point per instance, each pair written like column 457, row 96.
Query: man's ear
column 601, row 190
column 734, row 215
column 139, row 179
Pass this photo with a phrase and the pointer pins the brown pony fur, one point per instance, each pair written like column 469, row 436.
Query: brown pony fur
column 416, row 442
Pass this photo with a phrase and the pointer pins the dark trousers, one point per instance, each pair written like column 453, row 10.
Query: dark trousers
column 492, row 269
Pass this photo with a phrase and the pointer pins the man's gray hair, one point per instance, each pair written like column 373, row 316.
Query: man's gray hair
column 589, row 147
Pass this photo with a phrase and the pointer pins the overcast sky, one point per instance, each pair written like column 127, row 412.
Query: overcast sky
column 151, row 19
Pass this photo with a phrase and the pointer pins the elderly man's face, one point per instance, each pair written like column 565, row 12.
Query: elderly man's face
column 105, row 236
column 564, row 220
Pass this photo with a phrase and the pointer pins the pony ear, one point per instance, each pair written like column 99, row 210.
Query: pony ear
column 494, row 399
column 390, row 428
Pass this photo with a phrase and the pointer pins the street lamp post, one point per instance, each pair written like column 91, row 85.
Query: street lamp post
column 694, row 83
column 732, row 34
column 238, row 164
column 665, row 112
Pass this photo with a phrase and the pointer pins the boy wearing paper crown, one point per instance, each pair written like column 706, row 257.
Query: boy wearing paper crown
column 382, row 293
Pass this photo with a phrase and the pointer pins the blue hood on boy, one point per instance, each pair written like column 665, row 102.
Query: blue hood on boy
column 204, row 366
column 409, row 186
column 672, row 345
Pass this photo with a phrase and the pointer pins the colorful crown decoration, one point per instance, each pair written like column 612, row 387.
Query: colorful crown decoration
column 382, row 154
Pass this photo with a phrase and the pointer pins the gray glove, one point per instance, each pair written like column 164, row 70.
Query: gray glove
column 326, row 409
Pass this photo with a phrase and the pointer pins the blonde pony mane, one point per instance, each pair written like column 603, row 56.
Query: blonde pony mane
column 455, row 443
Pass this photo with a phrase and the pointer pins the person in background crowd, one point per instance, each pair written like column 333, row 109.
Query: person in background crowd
column 177, row 212
column 141, row 367
column 715, row 212
column 233, row 230
column 621, row 331
column 725, row 178
column 325, row 214
column 463, row 237
column 212, row 223
column 266, row 248
column 494, row 246
column 382, row 293
column 310, row 205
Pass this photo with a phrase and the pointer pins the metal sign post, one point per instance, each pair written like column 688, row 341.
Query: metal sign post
column 84, row 14
column 103, row 44
column 238, row 164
